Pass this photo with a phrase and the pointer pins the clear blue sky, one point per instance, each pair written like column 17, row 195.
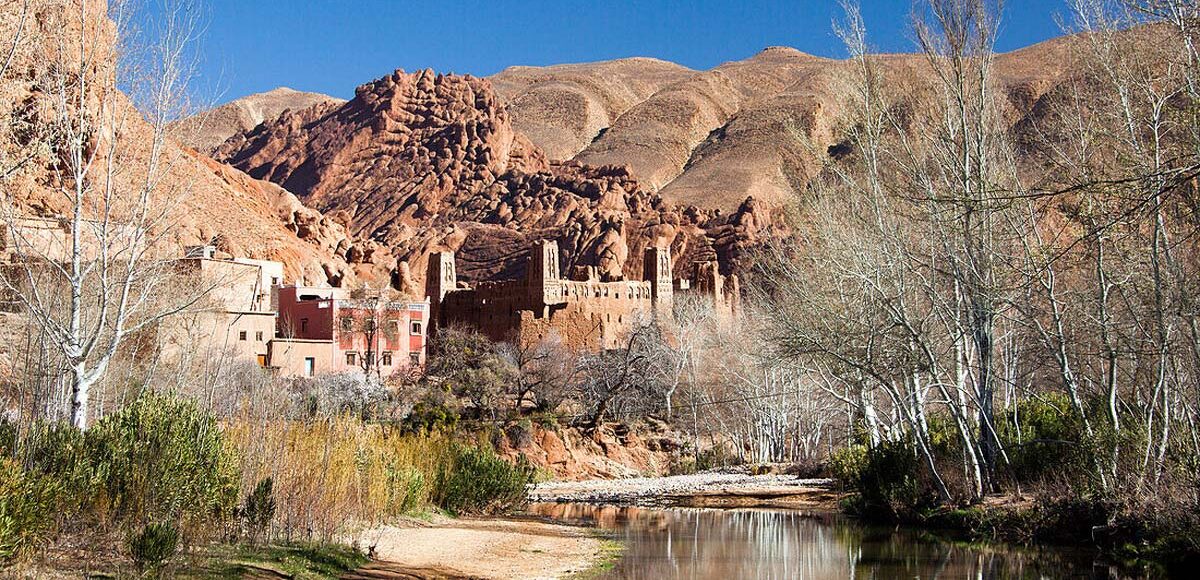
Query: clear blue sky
column 331, row 46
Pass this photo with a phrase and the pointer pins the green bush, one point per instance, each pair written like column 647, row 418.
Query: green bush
column 429, row 416
column 405, row 487
column 714, row 457
column 889, row 479
column 847, row 464
column 476, row 480
column 28, row 511
column 1051, row 442
column 151, row 548
column 259, row 509
column 161, row 459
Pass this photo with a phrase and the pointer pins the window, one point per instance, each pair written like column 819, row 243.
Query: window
column 414, row 358
column 386, row 358
column 258, row 336
column 416, row 327
column 370, row 325
column 347, row 324
column 303, row 325
column 352, row 358
column 242, row 335
column 310, row 365
column 369, row 357
column 274, row 280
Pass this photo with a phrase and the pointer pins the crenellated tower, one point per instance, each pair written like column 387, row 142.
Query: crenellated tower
column 656, row 269
column 542, row 274
column 440, row 279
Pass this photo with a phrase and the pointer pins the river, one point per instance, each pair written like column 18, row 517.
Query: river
column 786, row 544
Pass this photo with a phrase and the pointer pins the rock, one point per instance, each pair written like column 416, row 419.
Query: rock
column 556, row 451
column 414, row 156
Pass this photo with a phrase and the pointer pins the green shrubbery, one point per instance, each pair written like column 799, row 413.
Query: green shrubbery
column 151, row 548
column 259, row 509
column 428, row 416
column 475, row 480
column 158, row 460
column 1050, row 444
column 28, row 510
column 162, row 473
column 161, row 459
column 889, row 479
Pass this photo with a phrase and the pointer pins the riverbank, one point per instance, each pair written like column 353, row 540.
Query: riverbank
column 696, row 490
column 498, row 549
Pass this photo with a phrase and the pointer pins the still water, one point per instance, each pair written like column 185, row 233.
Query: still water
column 770, row 544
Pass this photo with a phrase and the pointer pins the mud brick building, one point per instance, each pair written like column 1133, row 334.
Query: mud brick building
column 588, row 314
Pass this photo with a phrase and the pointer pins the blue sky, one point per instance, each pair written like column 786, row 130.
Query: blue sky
column 331, row 46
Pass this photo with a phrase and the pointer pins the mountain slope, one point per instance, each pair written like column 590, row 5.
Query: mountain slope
column 420, row 161
column 563, row 108
column 206, row 131
column 757, row 127
column 208, row 202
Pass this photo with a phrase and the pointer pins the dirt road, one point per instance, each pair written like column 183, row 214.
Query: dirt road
column 493, row 549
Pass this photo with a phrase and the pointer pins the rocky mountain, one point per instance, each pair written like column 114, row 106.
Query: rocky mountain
column 757, row 127
column 420, row 161
column 563, row 108
column 206, row 131
column 208, row 202
column 604, row 157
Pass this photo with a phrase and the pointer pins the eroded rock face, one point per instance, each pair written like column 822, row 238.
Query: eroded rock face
column 422, row 162
column 207, row 130
column 204, row 201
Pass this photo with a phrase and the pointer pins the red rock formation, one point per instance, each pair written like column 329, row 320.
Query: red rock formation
column 207, row 201
column 421, row 162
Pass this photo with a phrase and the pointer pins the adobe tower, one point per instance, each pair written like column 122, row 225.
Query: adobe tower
column 656, row 269
column 440, row 279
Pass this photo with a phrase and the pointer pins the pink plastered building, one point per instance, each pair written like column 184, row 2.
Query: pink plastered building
column 328, row 330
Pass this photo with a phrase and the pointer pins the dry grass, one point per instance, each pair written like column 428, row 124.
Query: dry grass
column 331, row 472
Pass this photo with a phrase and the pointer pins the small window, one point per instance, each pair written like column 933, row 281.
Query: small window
column 258, row 336
column 274, row 280
column 347, row 324
column 303, row 325
column 414, row 358
column 352, row 358
column 416, row 327
column 242, row 335
column 386, row 358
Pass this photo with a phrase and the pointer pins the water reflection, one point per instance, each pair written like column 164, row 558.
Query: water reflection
column 770, row 544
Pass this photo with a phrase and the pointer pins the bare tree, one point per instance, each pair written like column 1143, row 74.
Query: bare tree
column 545, row 370
column 99, row 279
column 622, row 377
column 688, row 334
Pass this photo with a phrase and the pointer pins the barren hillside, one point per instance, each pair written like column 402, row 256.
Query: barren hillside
column 206, row 131
column 209, row 202
column 757, row 127
column 564, row 108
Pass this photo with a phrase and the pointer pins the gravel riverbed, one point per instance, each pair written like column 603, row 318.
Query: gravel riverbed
column 696, row 489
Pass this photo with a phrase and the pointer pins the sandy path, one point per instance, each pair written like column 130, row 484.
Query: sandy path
column 495, row 549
